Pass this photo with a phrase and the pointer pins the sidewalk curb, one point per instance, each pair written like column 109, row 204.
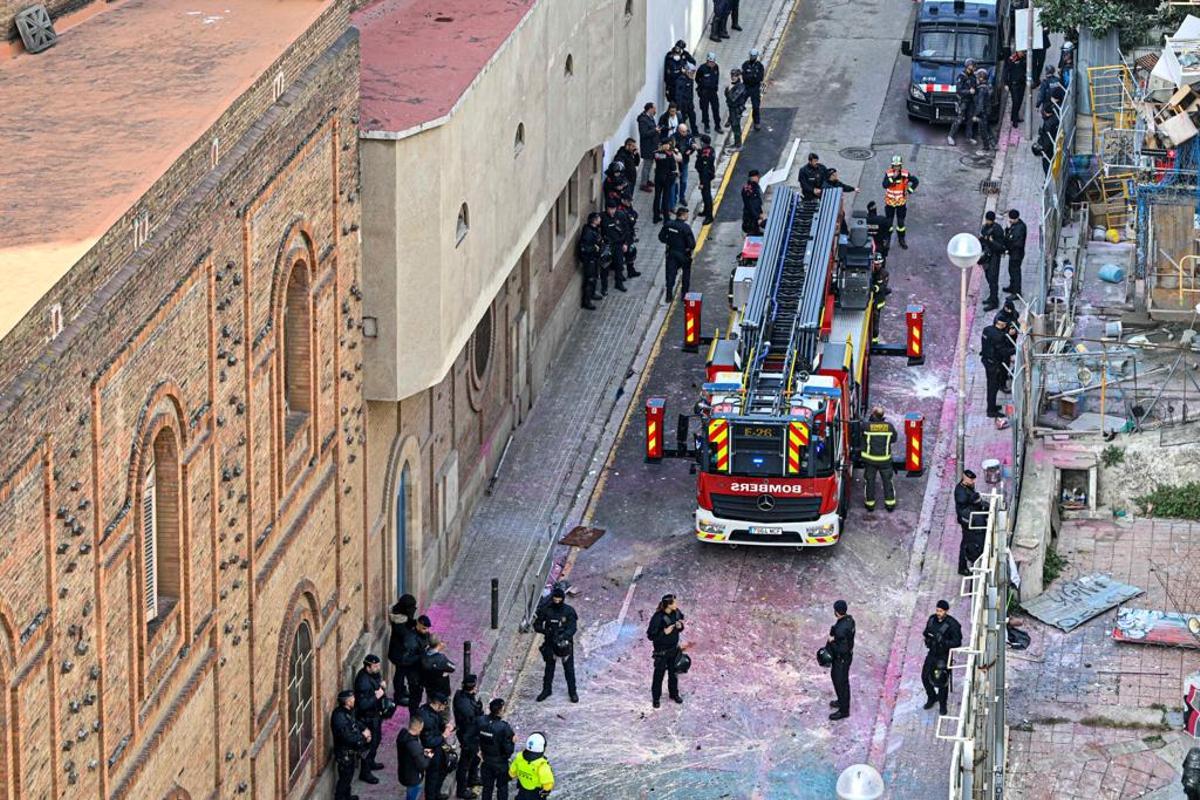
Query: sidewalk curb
column 934, row 489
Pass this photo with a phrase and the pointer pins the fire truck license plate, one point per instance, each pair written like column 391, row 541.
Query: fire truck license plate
column 761, row 531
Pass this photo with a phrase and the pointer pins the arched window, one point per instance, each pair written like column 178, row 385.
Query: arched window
column 569, row 67
column 160, row 528
column 464, row 223
column 403, row 512
column 299, row 700
column 519, row 139
column 297, row 349
column 481, row 355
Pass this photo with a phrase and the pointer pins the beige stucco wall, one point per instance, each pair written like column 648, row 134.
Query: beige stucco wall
column 428, row 291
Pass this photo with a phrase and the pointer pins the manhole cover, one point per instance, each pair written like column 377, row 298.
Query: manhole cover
column 976, row 161
column 857, row 153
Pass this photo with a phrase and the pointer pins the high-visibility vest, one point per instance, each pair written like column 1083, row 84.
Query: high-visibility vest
column 896, row 194
column 534, row 774
column 877, row 441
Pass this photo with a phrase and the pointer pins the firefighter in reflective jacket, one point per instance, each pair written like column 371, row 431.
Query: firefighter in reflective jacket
column 532, row 771
column 878, row 435
column 898, row 184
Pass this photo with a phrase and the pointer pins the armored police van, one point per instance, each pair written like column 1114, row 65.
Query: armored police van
column 945, row 34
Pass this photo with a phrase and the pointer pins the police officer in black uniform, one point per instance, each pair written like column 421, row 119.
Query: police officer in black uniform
column 708, row 84
column 752, row 206
column 1014, row 241
column 685, row 95
column 402, row 645
column 680, row 241
column 841, row 646
column 878, row 436
column 369, row 693
column 350, row 738
column 996, row 352
column 630, row 216
column 735, row 105
column 753, row 73
column 557, row 622
column 720, row 21
column 942, row 634
column 496, row 739
column 467, row 711
column 630, row 158
column 665, row 626
column 588, row 250
column 991, row 236
column 812, row 177
column 612, row 228
column 676, row 60
column 433, row 737
column 615, row 182
column 879, row 228
column 706, row 170
column 968, row 506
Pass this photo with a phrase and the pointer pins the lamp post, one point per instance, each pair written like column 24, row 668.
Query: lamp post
column 964, row 251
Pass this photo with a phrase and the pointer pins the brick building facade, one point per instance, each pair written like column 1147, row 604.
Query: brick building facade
column 182, row 428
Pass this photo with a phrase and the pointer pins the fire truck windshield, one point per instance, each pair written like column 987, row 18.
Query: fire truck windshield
column 759, row 451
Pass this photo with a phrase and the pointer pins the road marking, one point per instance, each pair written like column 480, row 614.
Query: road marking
column 629, row 597
column 607, row 633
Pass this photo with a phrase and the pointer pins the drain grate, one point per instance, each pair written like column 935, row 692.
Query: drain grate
column 989, row 186
column 857, row 153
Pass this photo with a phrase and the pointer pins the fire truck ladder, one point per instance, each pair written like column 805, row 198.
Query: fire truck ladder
column 782, row 322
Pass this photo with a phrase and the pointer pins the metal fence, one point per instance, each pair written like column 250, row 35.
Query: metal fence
column 1054, row 196
column 977, row 729
column 1056, row 275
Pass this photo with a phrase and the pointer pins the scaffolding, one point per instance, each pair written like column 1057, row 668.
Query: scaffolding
column 1110, row 90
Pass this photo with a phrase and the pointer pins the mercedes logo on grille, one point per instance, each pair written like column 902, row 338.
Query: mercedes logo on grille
column 765, row 502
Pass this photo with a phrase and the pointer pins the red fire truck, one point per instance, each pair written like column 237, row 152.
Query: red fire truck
column 787, row 385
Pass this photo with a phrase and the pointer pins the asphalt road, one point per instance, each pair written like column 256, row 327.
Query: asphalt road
column 754, row 721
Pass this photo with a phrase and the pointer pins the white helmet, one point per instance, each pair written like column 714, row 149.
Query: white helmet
column 536, row 743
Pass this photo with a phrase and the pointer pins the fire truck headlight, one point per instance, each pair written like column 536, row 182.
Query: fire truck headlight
column 710, row 527
column 915, row 91
column 823, row 530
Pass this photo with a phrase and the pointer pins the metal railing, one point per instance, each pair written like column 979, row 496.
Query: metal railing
column 1054, row 196
column 1182, row 273
column 978, row 728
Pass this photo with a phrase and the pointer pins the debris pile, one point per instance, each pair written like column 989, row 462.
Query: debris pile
column 1171, row 108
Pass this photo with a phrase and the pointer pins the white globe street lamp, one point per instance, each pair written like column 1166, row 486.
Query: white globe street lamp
column 860, row 782
column 964, row 251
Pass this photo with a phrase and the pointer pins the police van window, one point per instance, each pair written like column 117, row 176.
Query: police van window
column 940, row 44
